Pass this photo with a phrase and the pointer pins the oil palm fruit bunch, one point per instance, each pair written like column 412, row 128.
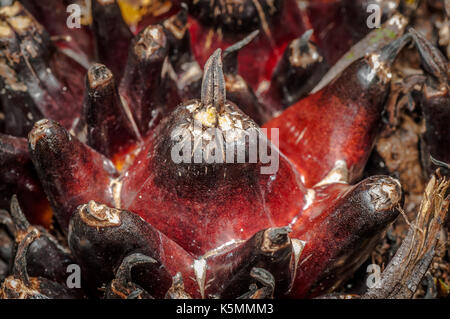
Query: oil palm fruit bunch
column 182, row 157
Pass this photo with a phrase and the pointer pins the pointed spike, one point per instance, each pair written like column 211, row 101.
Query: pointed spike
column 123, row 274
column 20, row 261
column 390, row 52
column 263, row 277
column 230, row 55
column 239, row 45
column 109, row 128
column 213, row 84
column 304, row 43
column 39, row 263
column 141, row 83
column 439, row 163
column 112, row 35
column 123, row 285
column 305, row 38
column 432, row 59
column 17, row 215
column 71, row 172
column 237, row 89
column 266, row 279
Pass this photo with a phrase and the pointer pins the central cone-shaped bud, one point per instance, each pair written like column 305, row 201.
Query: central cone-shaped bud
column 211, row 170
column 210, row 143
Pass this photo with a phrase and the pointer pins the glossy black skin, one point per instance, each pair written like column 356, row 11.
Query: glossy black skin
column 192, row 180
column 292, row 82
column 141, row 84
column 71, row 172
column 341, row 241
column 108, row 127
column 100, row 250
column 112, row 36
column 47, row 259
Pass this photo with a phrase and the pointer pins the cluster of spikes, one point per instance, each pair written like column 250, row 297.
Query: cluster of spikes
column 89, row 155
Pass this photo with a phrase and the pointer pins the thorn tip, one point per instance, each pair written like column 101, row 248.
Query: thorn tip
column 213, row 84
